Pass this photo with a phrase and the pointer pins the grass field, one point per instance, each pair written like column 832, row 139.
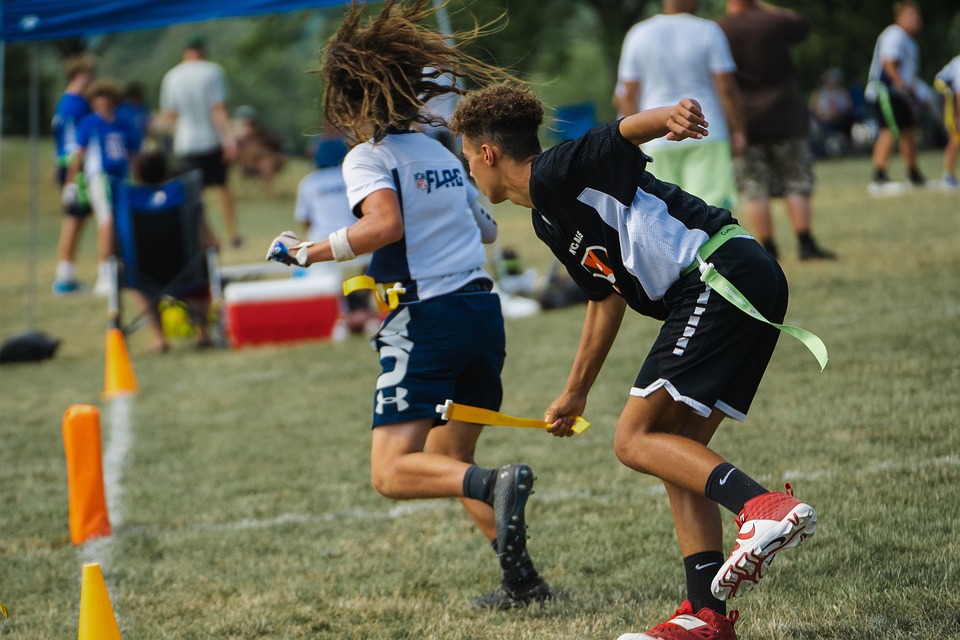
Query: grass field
column 243, row 508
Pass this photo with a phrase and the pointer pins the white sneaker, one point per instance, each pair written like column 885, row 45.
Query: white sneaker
column 768, row 523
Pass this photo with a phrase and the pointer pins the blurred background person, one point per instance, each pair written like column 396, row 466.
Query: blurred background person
column 833, row 114
column 654, row 71
column 193, row 101
column 948, row 83
column 778, row 161
column 892, row 89
column 105, row 146
column 71, row 108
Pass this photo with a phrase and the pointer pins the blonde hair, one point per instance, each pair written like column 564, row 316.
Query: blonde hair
column 77, row 64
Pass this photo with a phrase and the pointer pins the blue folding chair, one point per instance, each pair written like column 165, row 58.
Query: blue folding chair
column 157, row 241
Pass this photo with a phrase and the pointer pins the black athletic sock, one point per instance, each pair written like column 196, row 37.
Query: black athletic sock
column 770, row 247
column 731, row 487
column 879, row 174
column 478, row 483
column 805, row 239
column 522, row 573
column 700, row 568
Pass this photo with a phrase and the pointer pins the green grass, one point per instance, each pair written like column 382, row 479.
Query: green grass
column 246, row 506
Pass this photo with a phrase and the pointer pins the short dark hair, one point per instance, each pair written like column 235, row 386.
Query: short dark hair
column 151, row 167
column 508, row 115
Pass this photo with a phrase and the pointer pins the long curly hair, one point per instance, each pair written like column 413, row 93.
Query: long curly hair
column 380, row 74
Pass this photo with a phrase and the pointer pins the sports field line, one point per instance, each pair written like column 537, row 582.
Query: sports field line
column 555, row 497
column 119, row 442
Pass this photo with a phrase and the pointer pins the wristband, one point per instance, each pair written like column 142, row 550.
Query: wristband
column 340, row 246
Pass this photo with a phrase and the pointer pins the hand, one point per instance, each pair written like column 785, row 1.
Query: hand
column 563, row 412
column 686, row 121
column 288, row 249
column 68, row 197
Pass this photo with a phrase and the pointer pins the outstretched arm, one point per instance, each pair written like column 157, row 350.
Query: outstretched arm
column 681, row 121
column 600, row 328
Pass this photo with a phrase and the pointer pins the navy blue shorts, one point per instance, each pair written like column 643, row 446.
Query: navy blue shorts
column 709, row 354
column 449, row 347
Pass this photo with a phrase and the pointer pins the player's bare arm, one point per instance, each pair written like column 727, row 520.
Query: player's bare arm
column 600, row 329
column 380, row 225
column 679, row 122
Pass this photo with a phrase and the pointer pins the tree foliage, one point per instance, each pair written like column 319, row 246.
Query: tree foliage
column 567, row 48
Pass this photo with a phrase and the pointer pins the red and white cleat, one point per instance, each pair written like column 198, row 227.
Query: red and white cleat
column 706, row 624
column 768, row 523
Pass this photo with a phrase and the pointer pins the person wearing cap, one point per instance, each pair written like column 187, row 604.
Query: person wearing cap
column 192, row 103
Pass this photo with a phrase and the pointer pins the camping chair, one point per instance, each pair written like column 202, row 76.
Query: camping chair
column 157, row 241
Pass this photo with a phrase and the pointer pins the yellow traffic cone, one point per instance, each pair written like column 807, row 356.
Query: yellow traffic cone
column 97, row 621
column 118, row 372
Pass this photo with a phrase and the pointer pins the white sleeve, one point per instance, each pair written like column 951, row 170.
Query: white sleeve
column 364, row 172
column 488, row 226
column 721, row 59
column 218, row 87
column 301, row 210
column 628, row 69
column 891, row 46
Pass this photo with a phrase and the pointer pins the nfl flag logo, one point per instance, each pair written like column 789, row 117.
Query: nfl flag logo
column 421, row 179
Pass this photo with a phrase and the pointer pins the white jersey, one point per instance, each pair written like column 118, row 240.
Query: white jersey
column 441, row 249
column 191, row 88
column 950, row 75
column 675, row 56
column 894, row 44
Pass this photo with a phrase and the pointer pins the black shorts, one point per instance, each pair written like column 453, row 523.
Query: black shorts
column 904, row 108
column 709, row 354
column 211, row 164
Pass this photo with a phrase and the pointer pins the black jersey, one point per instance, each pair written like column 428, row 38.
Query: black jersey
column 612, row 224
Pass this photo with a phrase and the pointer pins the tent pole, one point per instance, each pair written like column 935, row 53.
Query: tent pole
column 3, row 66
column 34, row 183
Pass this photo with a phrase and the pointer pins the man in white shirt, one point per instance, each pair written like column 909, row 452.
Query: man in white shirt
column 675, row 55
column 192, row 99
column 892, row 87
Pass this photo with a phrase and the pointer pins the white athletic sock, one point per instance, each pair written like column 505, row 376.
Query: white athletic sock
column 65, row 271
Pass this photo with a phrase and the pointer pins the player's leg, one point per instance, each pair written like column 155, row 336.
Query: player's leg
column 65, row 280
column 402, row 470
column 882, row 148
column 753, row 186
column 458, row 440
column 98, row 186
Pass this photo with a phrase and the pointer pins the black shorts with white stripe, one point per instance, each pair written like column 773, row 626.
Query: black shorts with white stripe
column 709, row 354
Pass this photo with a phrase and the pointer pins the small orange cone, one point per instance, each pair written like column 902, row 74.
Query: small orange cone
column 118, row 376
column 81, row 444
column 97, row 621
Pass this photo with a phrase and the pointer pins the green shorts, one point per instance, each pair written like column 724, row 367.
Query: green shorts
column 704, row 169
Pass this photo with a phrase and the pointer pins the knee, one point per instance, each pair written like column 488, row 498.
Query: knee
column 630, row 447
column 382, row 479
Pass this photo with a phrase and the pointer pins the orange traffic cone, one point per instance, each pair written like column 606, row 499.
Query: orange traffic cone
column 81, row 444
column 118, row 373
column 97, row 621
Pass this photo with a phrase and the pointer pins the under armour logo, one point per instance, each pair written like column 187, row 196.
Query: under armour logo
column 398, row 400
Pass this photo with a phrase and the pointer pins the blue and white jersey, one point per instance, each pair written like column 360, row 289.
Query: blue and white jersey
column 950, row 75
column 70, row 110
column 107, row 145
column 441, row 249
column 895, row 44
